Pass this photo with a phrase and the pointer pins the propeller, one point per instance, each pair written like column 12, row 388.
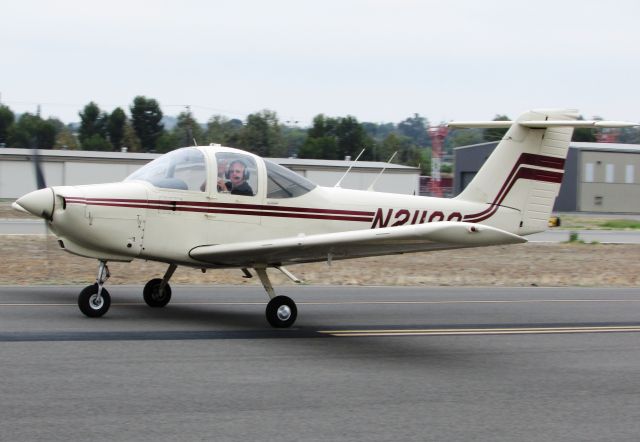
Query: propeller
column 39, row 202
column 37, row 164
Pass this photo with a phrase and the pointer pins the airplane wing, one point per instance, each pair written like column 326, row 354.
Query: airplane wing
column 353, row 244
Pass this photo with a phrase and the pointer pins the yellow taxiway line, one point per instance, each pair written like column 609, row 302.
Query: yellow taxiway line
column 480, row 331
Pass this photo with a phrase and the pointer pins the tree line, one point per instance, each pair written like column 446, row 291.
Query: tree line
column 331, row 138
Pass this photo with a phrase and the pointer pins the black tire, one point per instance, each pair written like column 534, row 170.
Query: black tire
column 87, row 301
column 152, row 295
column 281, row 312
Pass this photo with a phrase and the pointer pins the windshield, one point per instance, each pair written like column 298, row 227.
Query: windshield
column 285, row 183
column 181, row 169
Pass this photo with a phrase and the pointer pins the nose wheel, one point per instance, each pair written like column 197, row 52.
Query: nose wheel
column 93, row 304
column 94, row 300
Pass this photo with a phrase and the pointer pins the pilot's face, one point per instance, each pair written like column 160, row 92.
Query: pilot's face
column 236, row 174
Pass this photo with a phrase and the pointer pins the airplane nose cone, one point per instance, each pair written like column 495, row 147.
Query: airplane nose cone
column 38, row 203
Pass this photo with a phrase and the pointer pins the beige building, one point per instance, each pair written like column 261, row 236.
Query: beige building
column 609, row 178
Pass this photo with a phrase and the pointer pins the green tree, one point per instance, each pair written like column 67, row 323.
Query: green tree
column 262, row 134
column 336, row 138
column 321, row 142
column 495, row 134
column 7, row 119
column 584, row 134
column 129, row 138
column 415, row 128
column 167, row 142
column 221, row 130
column 93, row 125
column 146, row 118
column 352, row 138
column 379, row 131
column 66, row 140
column 96, row 142
column 115, row 127
column 293, row 139
column 630, row 135
column 463, row 137
column 31, row 131
column 319, row 148
column 188, row 131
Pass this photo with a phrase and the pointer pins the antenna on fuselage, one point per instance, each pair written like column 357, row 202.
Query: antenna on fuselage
column 370, row 188
column 349, row 169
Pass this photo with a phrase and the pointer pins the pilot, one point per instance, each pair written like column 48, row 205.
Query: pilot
column 237, row 175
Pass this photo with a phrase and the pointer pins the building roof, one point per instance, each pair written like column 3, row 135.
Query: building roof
column 609, row 147
column 145, row 157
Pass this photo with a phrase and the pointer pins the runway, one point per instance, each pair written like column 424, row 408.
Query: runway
column 362, row 363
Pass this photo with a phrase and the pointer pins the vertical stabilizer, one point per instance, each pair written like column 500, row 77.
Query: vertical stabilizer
column 525, row 170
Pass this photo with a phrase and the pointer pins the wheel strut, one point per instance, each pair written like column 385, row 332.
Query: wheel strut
column 94, row 300
column 281, row 310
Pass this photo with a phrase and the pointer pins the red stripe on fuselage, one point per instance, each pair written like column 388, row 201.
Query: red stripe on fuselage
column 228, row 208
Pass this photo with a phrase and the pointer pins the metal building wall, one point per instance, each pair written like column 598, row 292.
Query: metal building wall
column 609, row 187
column 73, row 168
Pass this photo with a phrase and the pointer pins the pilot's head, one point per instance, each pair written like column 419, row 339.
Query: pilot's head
column 237, row 173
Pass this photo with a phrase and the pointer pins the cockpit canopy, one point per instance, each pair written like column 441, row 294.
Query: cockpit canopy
column 236, row 173
column 285, row 183
column 181, row 169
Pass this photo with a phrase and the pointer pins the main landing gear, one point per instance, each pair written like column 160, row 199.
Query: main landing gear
column 94, row 300
column 281, row 310
column 157, row 292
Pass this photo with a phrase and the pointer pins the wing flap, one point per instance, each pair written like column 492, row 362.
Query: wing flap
column 354, row 244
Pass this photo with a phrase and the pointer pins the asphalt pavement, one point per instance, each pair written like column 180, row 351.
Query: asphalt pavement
column 361, row 363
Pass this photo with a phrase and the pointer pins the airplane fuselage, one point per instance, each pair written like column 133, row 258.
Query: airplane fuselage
column 124, row 221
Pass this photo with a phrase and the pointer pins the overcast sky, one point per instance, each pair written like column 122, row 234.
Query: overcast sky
column 378, row 60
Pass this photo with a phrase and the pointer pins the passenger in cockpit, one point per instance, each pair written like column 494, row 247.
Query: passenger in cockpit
column 236, row 175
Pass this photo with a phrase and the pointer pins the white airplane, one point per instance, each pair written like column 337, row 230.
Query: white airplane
column 214, row 207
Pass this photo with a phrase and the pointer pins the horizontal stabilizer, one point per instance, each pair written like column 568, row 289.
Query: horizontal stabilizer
column 354, row 244
column 540, row 124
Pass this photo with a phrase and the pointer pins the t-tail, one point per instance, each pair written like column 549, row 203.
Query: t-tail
column 525, row 170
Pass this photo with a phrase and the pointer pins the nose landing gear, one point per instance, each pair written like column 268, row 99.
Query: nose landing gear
column 94, row 300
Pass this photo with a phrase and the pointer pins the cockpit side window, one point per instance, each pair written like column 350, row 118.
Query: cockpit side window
column 237, row 174
column 285, row 183
column 181, row 169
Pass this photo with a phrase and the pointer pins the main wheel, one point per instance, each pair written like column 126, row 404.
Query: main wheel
column 152, row 295
column 281, row 312
column 89, row 303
